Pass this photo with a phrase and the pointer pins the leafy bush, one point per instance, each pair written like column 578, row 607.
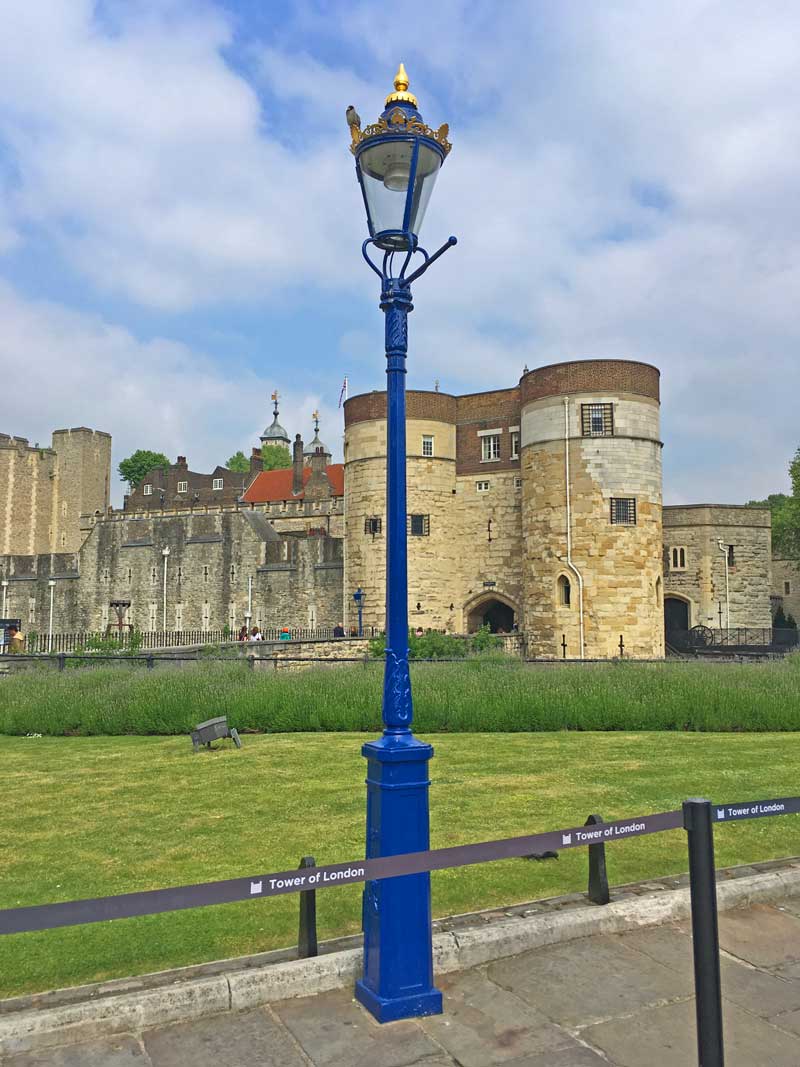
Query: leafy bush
column 477, row 694
column 435, row 645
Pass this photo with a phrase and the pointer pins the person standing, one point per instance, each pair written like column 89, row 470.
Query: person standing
column 16, row 640
column 256, row 634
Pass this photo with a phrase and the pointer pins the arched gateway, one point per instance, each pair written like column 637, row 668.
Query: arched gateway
column 493, row 611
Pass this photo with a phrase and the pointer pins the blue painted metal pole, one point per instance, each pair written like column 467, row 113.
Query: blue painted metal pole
column 398, row 957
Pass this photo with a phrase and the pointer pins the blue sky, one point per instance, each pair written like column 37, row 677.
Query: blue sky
column 180, row 224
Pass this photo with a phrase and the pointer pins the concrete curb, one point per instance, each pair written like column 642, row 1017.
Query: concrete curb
column 112, row 1008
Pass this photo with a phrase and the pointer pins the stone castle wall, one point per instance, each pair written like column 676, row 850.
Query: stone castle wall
column 296, row 574
column 701, row 581
column 45, row 491
column 786, row 586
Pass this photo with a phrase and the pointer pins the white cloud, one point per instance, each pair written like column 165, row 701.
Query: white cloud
column 623, row 183
column 62, row 368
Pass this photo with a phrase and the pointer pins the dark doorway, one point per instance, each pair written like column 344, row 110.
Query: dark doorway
column 499, row 617
column 676, row 615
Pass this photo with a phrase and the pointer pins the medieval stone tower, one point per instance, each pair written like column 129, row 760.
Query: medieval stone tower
column 44, row 491
column 537, row 506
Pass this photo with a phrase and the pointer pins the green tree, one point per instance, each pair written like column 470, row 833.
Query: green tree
column 134, row 468
column 238, row 462
column 275, row 457
column 786, row 515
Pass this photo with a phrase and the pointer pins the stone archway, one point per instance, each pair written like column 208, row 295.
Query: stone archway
column 492, row 610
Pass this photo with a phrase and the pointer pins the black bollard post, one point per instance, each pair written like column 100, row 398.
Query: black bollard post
column 149, row 663
column 563, row 646
column 705, row 935
column 598, row 876
column 307, row 936
column 62, row 661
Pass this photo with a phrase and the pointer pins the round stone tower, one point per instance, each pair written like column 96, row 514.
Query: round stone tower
column 591, row 509
column 431, row 481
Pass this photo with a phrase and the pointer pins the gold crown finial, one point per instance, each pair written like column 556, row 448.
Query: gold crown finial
column 401, row 93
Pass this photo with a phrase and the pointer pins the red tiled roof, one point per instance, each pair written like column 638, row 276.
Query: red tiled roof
column 277, row 485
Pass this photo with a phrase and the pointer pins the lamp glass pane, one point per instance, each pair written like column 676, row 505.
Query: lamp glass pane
column 384, row 172
column 428, row 163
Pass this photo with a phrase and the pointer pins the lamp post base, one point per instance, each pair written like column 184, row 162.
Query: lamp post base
column 390, row 1009
column 396, row 918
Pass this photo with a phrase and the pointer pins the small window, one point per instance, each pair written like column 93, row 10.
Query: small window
column 183, row 487
column 490, row 448
column 623, row 511
column 205, row 574
column 233, row 573
column 216, row 483
column 147, row 489
column 180, row 578
column 427, row 444
column 515, row 444
column 787, row 588
column 597, row 420
column 517, row 483
column 678, row 559
column 372, row 525
column 154, row 576
column 482, row 487
column 419, row 525
column 564, row 591
column 731, row 557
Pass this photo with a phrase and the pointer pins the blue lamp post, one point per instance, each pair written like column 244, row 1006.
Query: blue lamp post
column 358, row 596
column 397, row 161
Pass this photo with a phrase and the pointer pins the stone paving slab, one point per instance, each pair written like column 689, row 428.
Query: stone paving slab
column 763, row 935
column 235, row 1039
column 664, row 1036
column 333, row 1028
column 485, row 1024
column 619, row 1000
column 588, row 980
column 123, row 1051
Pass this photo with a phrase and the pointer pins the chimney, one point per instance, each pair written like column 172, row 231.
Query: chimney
column 255, row 461
column 181, row 462
column 297, row 466
column 318, row 487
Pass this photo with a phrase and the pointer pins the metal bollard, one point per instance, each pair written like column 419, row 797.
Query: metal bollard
column 62, row 661
column 705, row 934
column 307, row 935
column 598, row 891
column 149, row 663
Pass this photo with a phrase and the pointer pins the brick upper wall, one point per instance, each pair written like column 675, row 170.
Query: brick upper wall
column 440, row 407
column 591, row 376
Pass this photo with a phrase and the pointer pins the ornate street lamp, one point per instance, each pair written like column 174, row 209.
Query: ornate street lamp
column 397, row 161
column 358, row 596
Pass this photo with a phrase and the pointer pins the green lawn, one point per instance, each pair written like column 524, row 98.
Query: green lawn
column 87, row 817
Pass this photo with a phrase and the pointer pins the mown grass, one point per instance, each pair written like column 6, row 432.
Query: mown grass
column 86, row 817
column 482, row 695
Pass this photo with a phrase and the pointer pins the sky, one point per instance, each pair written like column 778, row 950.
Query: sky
column 180, row 224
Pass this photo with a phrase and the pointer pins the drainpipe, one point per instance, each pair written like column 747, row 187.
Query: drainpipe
column 570, row 564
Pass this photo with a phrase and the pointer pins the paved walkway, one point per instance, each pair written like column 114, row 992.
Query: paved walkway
column 624, row 1000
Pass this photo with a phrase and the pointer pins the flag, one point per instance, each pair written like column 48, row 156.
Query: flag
column 343, row 394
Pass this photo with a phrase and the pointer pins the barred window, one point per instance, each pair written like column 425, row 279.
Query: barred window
column 597, row 420
column 787, row 588
column 623, row 510
column 515, row 444
column 419, row 525
column 731, row 556
column 517, row 483
column 564, row 591
column 372, row 525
